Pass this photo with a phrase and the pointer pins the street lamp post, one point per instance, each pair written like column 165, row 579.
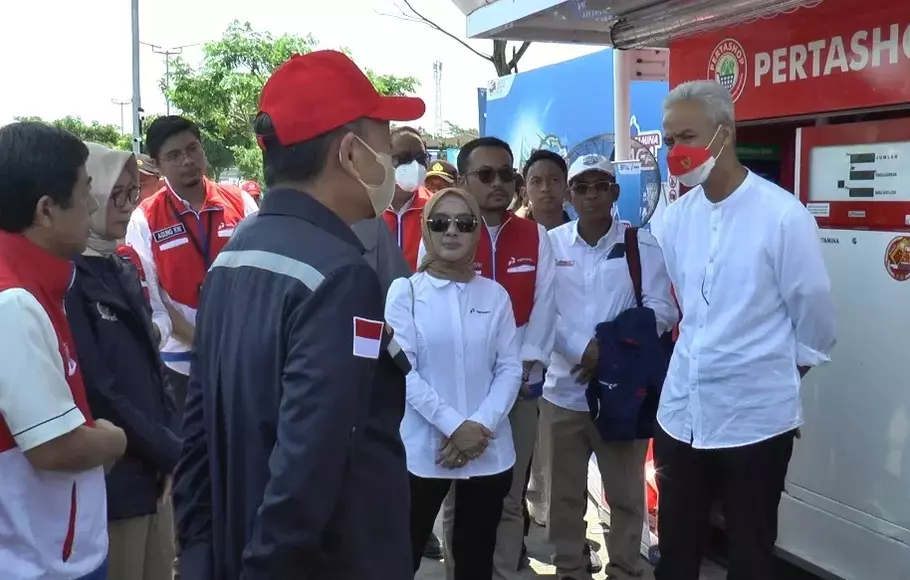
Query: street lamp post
column 122, row 103
column 168, row 53
column 137, row 99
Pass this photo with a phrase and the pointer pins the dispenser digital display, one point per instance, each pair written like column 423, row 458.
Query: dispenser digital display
column 863, row 172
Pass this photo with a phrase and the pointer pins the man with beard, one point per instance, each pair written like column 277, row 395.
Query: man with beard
column 516, row 253
column 178, row 232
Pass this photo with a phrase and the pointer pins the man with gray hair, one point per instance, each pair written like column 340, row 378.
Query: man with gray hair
column 745, row 259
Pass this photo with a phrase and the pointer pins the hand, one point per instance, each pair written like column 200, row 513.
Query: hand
column 117, row 439
column 450, row 457
column 471, row 438
column 586, row 370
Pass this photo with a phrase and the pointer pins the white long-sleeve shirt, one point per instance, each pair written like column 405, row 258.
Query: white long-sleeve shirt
column 460, row 339
column 537, row 337
column 593, row 285
column 756, row 303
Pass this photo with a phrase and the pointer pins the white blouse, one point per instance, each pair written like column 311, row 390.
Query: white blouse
column 462, row 344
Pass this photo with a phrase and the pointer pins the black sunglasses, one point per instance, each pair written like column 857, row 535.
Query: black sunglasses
column 408, row 157
column 464, row 223
column 487, row 175
column 599, row 187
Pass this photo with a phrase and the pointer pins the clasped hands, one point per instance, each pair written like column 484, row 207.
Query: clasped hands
column 468, row 442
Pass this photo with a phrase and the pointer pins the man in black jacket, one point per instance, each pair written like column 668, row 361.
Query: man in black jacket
column 293, row 466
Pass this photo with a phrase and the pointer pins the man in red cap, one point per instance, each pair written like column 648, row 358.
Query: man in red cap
column 293, row 465
column 253, row 190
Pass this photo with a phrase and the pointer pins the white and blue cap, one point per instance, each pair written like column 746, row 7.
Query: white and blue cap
column 592, row 162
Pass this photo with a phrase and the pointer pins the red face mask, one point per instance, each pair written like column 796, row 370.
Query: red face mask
column 692, row 165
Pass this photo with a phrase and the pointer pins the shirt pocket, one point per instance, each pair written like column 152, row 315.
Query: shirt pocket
column 613, row 277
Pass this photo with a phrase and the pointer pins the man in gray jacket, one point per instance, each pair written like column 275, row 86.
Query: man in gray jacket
column 381, row 251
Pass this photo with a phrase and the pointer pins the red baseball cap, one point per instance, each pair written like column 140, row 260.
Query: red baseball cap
column 314, row 93
column 251, row 187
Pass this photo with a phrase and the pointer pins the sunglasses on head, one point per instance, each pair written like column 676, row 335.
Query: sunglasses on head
column 407, row 158
column 464, row 223
column 487, row 175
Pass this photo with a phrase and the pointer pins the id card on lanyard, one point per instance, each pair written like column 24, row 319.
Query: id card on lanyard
column 202, row 240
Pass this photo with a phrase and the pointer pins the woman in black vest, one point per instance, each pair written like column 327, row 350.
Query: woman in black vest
column 117, row 346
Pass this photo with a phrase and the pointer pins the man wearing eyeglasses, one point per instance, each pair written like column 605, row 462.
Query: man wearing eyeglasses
column 516, row 253
column 410, row 159
column 178, row 232
column 593, row 285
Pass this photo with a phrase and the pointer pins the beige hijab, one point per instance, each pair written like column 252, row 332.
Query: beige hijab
column 463, row 269
column 104, row 166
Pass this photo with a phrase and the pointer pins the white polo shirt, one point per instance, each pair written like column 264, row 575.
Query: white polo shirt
column 53, row 525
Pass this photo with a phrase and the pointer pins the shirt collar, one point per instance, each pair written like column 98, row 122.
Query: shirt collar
column 183, row 206
column 301, row 205
column 442, row 282
column 615, row 230
column 50, row 273
column 737, row 193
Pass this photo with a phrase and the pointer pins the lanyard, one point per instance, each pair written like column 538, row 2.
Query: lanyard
column 202, row 241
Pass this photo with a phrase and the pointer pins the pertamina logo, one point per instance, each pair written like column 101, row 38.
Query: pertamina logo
column 728, row 66
column 897, row 258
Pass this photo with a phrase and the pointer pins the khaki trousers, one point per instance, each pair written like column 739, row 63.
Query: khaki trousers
column 539, row 484
column 510, row 534
column 142, row 548
column 573, row 437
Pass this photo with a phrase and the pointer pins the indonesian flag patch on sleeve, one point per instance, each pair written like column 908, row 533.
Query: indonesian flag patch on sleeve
column 367, row 337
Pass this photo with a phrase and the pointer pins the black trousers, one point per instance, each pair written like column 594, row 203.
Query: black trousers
column 747, row 480
column 478, row 509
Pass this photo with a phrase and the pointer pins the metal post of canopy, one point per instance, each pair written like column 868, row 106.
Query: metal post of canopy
column 137, row 101
column 622, row 79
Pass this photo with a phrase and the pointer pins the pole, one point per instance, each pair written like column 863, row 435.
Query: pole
column 167, row 83
column 121, row 104
column 622, row 115
column 137, row 100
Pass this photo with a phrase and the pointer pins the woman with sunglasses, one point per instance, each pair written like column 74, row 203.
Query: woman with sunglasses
column 458, row 331
column 117, row 349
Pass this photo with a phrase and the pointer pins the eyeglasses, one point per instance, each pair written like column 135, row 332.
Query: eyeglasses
column 125, row 195
column 178, row 156
column 407, row 158
column 598, row 187
column 440, row 222
column 488, row 175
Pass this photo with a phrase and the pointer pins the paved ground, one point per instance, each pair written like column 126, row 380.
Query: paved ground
column 540, row 556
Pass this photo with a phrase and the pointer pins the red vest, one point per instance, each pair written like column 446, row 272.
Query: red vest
column 409, row 234
column 47, row 278
column 185, row 244
column 513, row 263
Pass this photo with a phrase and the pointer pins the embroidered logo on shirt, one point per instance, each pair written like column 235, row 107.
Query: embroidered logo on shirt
column 517, row 265
column 367, row 337
column 565, row 263
column 168, row 233
column 106, row 312
column 476, row 311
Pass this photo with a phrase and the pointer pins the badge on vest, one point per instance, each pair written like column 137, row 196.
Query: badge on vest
column 166, row 234
column 225, row 231
column 519, row 265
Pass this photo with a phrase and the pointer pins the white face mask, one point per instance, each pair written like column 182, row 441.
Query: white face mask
column 380, row 195
column 409, row 177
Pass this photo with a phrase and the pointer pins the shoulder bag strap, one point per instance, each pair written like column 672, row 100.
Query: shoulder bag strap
column 633, row 260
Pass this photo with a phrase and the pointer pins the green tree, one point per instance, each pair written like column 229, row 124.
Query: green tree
column 222, row 93
column 108, row 135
